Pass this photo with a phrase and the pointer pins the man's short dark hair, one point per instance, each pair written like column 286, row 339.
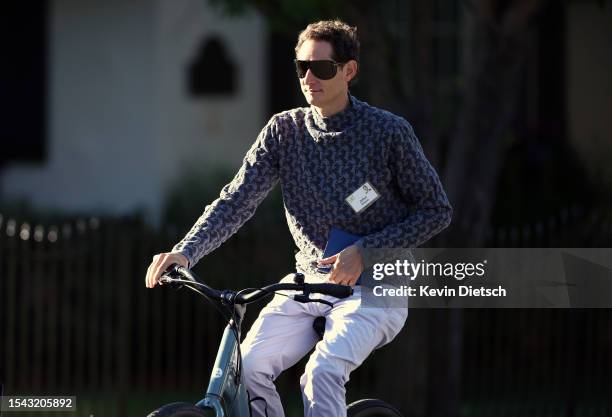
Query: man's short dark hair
column 342, row 38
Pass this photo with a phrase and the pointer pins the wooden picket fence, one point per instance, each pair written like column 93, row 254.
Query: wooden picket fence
column 76, row 317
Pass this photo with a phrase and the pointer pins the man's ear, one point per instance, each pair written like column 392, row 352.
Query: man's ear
column 350, row 69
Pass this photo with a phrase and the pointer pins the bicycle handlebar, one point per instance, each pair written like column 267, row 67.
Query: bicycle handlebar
column 254, row 294
column 335, row 290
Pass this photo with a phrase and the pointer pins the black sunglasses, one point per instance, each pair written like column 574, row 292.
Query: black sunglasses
column 322, row 69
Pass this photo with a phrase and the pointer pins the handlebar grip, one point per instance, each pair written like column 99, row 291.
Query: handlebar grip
column 335, row 290
column 178, row 271
column 172, row 269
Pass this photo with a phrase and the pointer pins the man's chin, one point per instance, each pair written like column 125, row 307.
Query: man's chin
column 313, row 100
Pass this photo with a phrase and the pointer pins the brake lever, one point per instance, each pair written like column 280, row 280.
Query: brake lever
column 306, row 299
column 167, row 279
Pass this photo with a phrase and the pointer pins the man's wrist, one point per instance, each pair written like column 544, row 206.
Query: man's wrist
column 185, row 258
column 362, row 254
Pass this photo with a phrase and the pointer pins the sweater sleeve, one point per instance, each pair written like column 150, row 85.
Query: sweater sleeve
column 420, row 186
column 238, row 200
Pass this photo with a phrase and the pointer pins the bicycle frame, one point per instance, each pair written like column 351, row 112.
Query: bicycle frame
column 226, row 395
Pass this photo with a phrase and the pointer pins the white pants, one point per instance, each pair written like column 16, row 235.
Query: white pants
column 283, row 334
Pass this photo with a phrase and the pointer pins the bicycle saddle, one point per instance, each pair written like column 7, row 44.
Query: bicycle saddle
column 319, row 326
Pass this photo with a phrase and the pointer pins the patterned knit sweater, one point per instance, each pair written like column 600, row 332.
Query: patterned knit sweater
column 319, row 161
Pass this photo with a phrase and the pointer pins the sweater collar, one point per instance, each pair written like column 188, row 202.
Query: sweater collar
column 330, row 127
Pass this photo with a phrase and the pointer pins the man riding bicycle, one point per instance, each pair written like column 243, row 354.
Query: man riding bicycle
column 341, row 164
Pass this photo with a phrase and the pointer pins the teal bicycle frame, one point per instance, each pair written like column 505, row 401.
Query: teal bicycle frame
column 226, row 394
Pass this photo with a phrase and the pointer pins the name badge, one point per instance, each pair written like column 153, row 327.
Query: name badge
column 362, row 197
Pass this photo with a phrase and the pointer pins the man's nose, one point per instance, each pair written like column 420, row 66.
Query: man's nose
column 309, row 77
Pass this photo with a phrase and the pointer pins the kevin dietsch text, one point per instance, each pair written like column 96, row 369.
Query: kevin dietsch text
column 427, row 291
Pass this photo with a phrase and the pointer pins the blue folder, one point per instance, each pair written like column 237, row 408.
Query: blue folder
column 337, row 240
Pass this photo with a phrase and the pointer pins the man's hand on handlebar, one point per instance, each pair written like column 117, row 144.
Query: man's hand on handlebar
column 160, row 264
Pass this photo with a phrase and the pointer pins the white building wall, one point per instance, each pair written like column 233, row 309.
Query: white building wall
column 589, row 85
column 121, row 125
